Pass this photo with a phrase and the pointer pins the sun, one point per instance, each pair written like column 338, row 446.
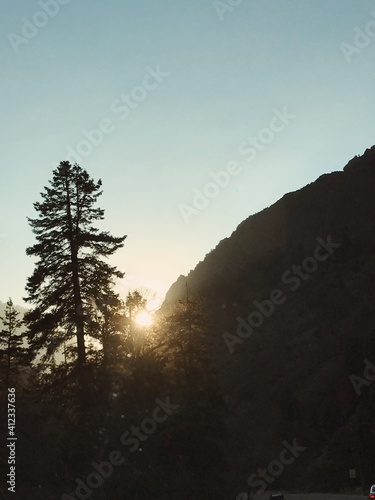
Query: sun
column 143, row 318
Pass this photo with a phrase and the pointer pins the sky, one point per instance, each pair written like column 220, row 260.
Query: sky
column 195, row 114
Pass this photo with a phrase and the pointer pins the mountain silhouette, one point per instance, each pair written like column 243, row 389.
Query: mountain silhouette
column 291, row 297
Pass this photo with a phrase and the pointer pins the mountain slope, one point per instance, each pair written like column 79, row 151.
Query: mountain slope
column 291, row 377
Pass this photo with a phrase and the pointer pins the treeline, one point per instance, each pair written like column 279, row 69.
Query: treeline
column 99, row 382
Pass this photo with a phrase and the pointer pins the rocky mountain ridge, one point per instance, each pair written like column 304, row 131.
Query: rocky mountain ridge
column 294, row 326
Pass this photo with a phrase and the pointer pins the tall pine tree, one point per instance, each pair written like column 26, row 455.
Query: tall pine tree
column 71, row 272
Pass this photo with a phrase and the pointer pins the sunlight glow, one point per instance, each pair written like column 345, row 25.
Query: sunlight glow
column 143, row 318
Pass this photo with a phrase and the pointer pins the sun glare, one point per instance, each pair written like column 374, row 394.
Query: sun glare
column 143, row 318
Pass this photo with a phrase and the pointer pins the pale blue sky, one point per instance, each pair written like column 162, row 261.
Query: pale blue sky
column 222, row 80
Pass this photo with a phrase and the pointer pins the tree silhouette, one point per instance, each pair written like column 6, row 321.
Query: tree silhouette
column 185, row 338
column 134, row 303
column 184, row 341
column 108, row 325
column 12, row 350
column 70, row 273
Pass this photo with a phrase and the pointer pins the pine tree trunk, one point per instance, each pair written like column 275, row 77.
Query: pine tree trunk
column 79, row 321
column 81, row 349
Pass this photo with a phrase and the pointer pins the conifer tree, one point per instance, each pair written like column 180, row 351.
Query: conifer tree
column 187, row 340
column 11, row 342
column 108, row 325
column 71, row 271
